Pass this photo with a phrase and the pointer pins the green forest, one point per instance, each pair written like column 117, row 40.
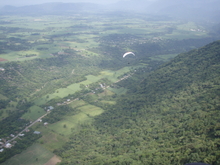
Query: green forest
column 66, row 91
column 169, row 117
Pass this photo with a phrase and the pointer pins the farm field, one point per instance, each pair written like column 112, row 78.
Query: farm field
column 118, row 91
column 71, row 122
column 34, row 113
column 48, row 58
column 164, row 57
column 63, row 92
column 43, row 36
column 51, row 140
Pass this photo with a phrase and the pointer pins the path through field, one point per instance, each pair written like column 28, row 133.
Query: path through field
column 53, row 161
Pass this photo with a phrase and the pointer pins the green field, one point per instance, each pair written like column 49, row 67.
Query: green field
column 51, row 140
column 2, row 97
column 118, row 91
column 108, row 102
column 63, row 92
column 80, row 38
column 72, row 122
column 34, row 113
column 34, row 155
column 165, row 57
column 78, row 103
column 38, row 32
column 11, row 107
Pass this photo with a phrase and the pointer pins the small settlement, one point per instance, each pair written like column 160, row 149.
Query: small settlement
column 4, row 143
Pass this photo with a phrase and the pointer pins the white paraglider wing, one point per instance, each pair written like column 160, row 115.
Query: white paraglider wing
column 128, row 54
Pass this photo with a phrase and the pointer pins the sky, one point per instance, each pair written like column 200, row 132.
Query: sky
column 31, row 2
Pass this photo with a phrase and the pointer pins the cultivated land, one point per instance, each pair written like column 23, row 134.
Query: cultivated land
column 71, row 89
column 33, row 113
column 49, row 36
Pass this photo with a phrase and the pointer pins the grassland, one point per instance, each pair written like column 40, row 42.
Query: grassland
column 33, row 113
column 74, row 33
column 2, row 97
column 63, row 92
column 165, row 57
column 71, row 122
column 118, row 91
column 51, row 140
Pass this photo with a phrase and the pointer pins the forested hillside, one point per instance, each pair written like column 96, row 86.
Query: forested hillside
column 169, row 116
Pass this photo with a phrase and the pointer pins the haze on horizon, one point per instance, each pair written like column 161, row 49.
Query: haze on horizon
column 31, row 2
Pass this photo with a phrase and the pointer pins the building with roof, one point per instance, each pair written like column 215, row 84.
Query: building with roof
column 37, row 132
column 50, row 107
column 8, row 145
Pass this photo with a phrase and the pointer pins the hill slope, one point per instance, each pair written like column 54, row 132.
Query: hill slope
column 170, row 117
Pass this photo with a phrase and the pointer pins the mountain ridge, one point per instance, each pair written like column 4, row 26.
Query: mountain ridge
column 200, row 10
column 176, row 122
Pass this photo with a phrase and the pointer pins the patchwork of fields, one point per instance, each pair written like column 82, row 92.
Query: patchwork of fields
column 45, row 37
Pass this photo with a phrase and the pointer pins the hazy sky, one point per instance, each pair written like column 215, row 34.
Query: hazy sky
column 30, row 2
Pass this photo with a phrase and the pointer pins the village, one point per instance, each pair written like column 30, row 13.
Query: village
column 4, row 143
column 9, row 143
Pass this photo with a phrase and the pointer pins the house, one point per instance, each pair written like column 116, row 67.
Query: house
column 20, row 134
column 36, row 132
column 1, row 150
column 2, row 69
column 50, row 108
column 46, row 123
column 102, row 86
column 8, row 145
column 12, row 135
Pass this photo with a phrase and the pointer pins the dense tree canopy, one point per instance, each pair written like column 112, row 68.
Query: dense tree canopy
column 170, row 117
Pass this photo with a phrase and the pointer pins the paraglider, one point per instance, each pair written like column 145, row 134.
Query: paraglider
column 128, row 54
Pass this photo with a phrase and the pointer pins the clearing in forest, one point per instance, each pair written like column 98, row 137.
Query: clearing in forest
column 72, row 122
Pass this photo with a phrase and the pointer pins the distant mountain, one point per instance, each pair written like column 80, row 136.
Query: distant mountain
column 51, row 8
column 196, row 9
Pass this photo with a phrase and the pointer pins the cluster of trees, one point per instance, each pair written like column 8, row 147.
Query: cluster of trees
column 58, row 113
column 115, row 39
column 156, row 122
column 169, row 117
column 3, row 103
column 13, row 123
column 169, row 46
column 20, row 145
column 20, row 79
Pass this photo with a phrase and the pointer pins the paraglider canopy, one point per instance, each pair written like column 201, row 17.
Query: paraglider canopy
column 128, row 54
